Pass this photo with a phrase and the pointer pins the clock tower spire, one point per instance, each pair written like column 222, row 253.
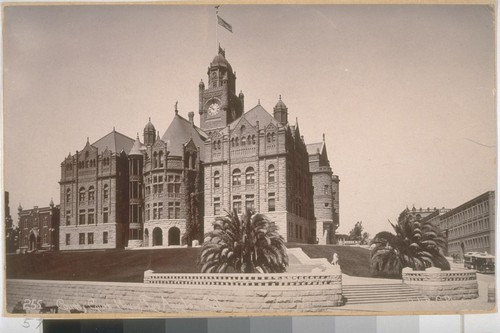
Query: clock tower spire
column 219, row 105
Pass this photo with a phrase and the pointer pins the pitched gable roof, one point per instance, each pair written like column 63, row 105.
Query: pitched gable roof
column 258, row 113
column 179, row 133
column 115, row 142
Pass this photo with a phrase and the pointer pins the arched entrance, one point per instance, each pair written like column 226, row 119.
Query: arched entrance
column 146, row 237
column 34, row 241
column 157, row 237
column 174, row 236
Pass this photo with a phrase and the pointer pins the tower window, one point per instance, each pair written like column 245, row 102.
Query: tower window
column 216, row 179
column 271, row 202
column 216, row 206
column 105, row 192
column 68, row 195
column 105, row 215
column 326, row 189
column 270, row 174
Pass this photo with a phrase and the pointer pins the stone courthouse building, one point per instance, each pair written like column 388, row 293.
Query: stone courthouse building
column 120, row 192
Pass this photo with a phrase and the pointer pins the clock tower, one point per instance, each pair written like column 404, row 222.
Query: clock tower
column 219, row 105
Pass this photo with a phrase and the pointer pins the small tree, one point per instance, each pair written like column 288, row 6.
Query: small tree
column 356, row 233
column 415, row 244
column 249, row 244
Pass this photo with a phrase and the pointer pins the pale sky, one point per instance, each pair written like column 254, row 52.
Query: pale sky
column 404, row 94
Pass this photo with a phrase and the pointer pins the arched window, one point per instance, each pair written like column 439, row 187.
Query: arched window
column 91, row 193
column 268, row 137
column 270, row 174
column 215, row 145
column 160, row 159
column 105, row 192
column 253, row 139
column 82, row 194
column 236, row 143
column 216, row 179
column 232, row 142
column 243, row 141
column 68, row 195
column 218, row 144
column 249, row 176
column 249, row 140
column 236, row 177
column 273, row 137
column 155, row 160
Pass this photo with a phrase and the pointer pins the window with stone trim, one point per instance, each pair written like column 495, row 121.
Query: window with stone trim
column 236, row 177
column 270, row 174
column 82, row 194
column 105, row 215
column 237, row 203
column 249, row 176
column 90, row 238
column 68, row 217
column 271, row 202
column 68, row 239
column 217, row 206
column 216, row 179
column 91, row 193
column 249, row 202
column 160, row 159
column 81, row 217
column 81, row 238
column 105, row 192
column 105, row 237
column 68, row 195
column 90, row 217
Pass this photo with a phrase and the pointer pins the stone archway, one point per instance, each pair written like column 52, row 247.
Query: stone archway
column 157, row 237
column 174, row 236
column 146, row 238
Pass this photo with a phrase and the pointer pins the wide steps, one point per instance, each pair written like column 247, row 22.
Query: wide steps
column 380, row 293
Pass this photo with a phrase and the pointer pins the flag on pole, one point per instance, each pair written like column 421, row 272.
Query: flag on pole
column 224, row 23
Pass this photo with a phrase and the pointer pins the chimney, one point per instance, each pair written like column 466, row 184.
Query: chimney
column 191, row 117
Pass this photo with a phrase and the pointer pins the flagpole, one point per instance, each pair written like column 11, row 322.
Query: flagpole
column 216, row 30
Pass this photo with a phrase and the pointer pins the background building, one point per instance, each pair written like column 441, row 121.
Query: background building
column 39, row 228
column 471, row 226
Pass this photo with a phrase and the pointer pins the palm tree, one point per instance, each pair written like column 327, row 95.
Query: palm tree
column 415, row 244
column 249, row 244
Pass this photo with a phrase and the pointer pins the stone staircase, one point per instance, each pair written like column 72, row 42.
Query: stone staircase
column 380, row 293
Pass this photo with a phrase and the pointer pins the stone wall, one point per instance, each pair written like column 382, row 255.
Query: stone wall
column 437, row 284
column 185, row 293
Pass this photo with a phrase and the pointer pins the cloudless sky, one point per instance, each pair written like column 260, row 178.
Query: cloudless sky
column 404, row 94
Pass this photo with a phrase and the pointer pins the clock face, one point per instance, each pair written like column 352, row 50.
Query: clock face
column 213, row 109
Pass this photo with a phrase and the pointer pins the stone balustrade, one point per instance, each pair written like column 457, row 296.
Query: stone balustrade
column 437, row 284
column 245, row 280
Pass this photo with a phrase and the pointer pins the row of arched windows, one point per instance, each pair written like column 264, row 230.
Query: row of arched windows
column 243, row 141
column 271, row 137
column 249, row 176
column 87, row 164
column 83, row 194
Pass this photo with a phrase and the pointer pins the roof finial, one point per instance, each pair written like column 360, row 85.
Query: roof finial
column 113, row 128
column 323, row 137
column 149, row 118
column 87, row 139
column 258, row 102
column 280, row 97
column 176, row 111
column 137, row 135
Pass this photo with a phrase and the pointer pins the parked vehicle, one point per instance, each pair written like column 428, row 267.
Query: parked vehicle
column 481, row 262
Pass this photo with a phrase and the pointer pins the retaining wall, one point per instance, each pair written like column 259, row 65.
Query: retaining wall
column 437, row 284
column 184, row 293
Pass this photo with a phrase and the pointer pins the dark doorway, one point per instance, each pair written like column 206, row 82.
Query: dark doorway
column 174, row 236
column 157, row 237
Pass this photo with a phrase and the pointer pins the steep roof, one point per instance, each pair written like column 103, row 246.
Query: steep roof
column 115, row 142
column 258, row 113
column 179, row 133
column 312, row 148
column 136, row 148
